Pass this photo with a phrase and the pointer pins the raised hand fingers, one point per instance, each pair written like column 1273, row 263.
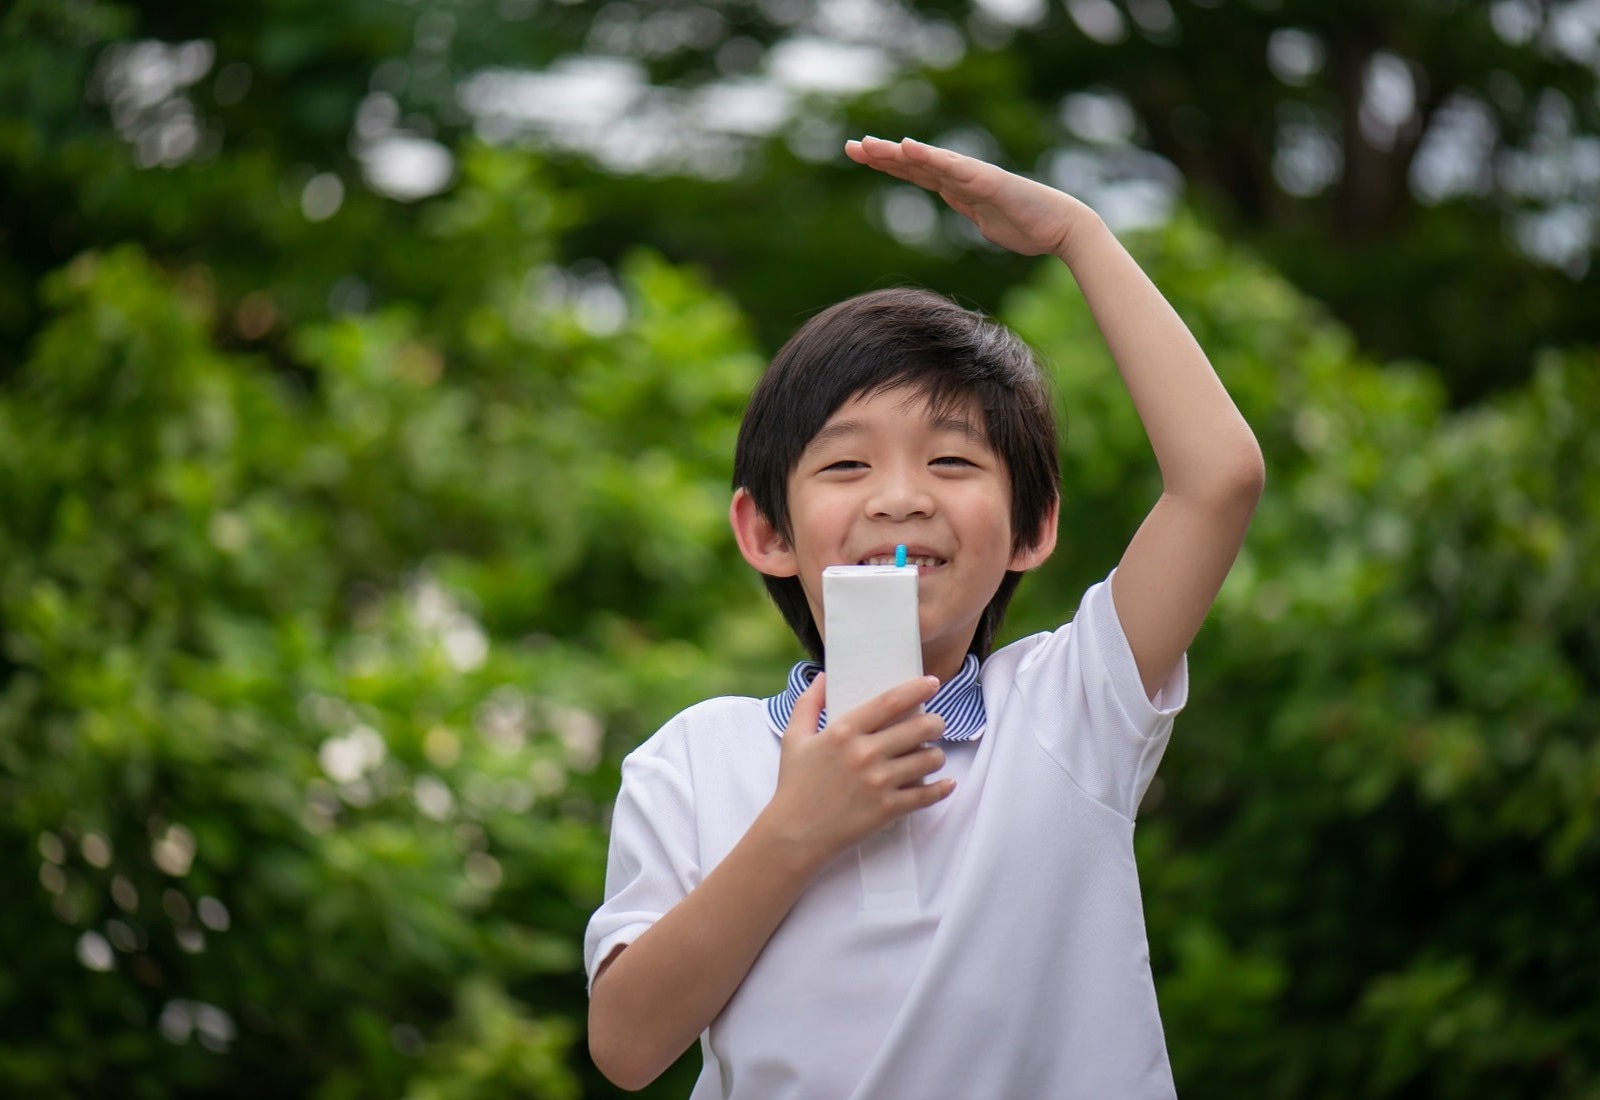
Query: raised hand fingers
column 925, row 165
column 1012, row 211
column 951, row 176
column 891, row 165
column 908, row 150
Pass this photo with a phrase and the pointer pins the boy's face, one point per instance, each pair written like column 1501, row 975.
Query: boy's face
column 885, row 470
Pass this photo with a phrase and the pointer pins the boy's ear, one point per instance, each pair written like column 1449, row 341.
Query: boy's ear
column 766, row 550
column 1035, row 555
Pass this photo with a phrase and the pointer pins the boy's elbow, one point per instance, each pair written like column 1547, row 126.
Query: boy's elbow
column 617, row 1067
column 619, row 1060
column 1237, row 481
column 625, row 1078
column 1250, row 473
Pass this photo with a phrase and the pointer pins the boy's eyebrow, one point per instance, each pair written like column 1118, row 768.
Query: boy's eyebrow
column 960, row 425
column 946, row 424
column 831, row 432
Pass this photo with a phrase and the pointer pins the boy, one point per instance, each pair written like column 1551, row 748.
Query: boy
column 745, row 900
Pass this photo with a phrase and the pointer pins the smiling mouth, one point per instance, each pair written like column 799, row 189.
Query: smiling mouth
column 922, row 561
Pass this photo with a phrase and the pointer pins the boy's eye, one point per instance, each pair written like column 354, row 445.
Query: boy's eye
column 846, row 464
column 952, row 460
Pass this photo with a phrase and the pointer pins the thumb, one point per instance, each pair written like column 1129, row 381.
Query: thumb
column 808, row 708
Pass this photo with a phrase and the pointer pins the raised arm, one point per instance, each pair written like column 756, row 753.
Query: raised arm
column 1211, row 468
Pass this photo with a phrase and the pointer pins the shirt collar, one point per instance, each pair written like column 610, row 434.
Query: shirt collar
column 959, row 701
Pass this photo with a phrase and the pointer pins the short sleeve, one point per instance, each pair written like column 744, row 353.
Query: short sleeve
column 653, row 861
column 1081, row 685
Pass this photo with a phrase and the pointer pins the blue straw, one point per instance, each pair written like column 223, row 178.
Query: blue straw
column 900, row 555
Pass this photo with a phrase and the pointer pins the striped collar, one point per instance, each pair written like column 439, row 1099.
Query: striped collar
column 959, row 701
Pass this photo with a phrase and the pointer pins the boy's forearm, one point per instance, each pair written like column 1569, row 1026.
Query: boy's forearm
column 1202, row 444
column 835, row 786
column 660, row 993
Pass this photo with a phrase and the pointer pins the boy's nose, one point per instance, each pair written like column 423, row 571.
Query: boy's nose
column 899, row 497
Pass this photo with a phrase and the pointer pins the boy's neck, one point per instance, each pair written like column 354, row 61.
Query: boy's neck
column 944, row 662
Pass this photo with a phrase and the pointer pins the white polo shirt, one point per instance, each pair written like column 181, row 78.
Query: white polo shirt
column 994, row 946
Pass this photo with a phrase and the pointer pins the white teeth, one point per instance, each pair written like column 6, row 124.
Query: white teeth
column 930, row 562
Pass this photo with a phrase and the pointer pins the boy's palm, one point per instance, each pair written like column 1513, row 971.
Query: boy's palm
column 1015, row 213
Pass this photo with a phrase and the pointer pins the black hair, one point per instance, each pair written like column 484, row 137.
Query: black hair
column 882, row 341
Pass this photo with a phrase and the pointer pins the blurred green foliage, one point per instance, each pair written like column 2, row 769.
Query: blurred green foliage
column 1426, row 168
column 308, row 678
column 341, row 558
